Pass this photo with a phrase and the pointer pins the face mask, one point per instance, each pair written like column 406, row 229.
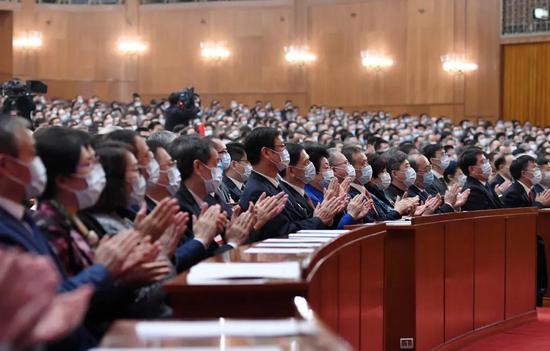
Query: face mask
column 88, row 123
column 38, row 175
column 153, row 169
column 486, row 169
column 247, row 171
column 410, row 177
column 211, row 185
column 327, row 178
column 309, row 173
column 351, row 171
column 461, row 180
column 138, row 191
column 174, row 180
column 284, row 160
column 208, row 132
column 385, row 181
column 366, row 174
column 537, row 176
column 428, row 178
column 445, row 161
column 96, row 183
column 226, row 160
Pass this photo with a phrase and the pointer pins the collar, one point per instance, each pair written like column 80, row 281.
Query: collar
column 273, row 181
column 236, row 182
column 437, row 174
column 299, row 190
column 503, row 177
column 525, row 187
column 199, row 201
column 358, row 187
column 13, row 208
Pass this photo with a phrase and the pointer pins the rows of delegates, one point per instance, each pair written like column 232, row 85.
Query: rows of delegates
column 101, row 203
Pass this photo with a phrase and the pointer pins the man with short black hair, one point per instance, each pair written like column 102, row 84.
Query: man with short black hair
column 477, row 169
column 238, row 171
column 439, row 162
column 502, row 166
column 526, row 174
column 401, row 172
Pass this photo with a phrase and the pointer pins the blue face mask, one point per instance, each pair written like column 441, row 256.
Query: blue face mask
column 428, row 178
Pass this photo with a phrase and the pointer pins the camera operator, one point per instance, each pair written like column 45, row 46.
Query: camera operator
column 181, row 111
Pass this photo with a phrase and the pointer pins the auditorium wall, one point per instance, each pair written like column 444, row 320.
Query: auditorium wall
column 79, row 53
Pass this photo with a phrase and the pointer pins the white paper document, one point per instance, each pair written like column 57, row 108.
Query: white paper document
column 253, row 328
column 208, row 272
column 289, row 243
column 279, row 250
column 312, row 235
column 298, row 240
column 397, row 222
column 198, row 348
column 324, row 231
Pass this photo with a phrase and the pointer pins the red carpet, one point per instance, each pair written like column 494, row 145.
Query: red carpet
column 531, row 336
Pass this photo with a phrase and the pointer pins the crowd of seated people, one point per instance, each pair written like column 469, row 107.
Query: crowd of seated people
column 112, row 205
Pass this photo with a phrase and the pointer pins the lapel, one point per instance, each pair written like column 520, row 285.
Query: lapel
column 293, row 204
column 524, row 196
column 187, row 201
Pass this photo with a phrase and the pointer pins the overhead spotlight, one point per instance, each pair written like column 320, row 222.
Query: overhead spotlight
column 299, row 55
column 131, row 47
column 457, row 65
column 215, row 51
column 375, row 61
column 29, row 41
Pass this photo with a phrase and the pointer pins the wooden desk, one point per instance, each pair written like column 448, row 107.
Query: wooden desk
column 456, row 277
column 123, row 335
column 342, row 280
column 543, row 229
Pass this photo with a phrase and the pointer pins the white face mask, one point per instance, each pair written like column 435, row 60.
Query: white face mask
column 96, row 184
column 211, row 185
column 309, row 173
column 546, row 179
column 537, row 176
column 445, row 161
column 247, row 171
column 486, row 169
column 174, row 180
column 410, row 177
column 461, row 180
column 284, row 157
column 38, row 174
column 153, row 169
column 351, row 172
column 138, row 191
column 366, row 174
column 385, row 181
column 226, row 160
column 327, row 178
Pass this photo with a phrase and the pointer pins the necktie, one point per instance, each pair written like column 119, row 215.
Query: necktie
column 309, row 202
column 367, row 194
column 532, row 196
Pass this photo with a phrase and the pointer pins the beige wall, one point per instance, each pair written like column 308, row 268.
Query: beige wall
column 79, row 54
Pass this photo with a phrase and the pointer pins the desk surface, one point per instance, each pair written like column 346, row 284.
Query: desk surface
column 123, row 335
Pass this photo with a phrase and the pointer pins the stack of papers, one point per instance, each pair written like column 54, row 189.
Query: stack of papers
column 324, row 231
column 297, row 240
column 198, row 348
column 289, row 243
column 397, row 222
column 209, row 272
column 207, row 329
column 279, row 250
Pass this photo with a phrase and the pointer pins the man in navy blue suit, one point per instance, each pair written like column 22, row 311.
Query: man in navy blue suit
column 267, row 154
column 521, row 193
column 237, row 173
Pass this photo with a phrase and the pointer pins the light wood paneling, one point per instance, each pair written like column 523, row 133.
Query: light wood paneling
column 526, row 86
column 6, row 35
column 79, row 53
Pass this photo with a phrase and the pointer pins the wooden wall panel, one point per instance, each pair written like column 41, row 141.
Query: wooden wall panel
column 6, row 35
column 79, row 46
column 526, row 82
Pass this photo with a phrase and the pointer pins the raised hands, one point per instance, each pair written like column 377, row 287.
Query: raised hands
column 240, row 226
column 406, row 205
column 462, row 198
column 359, row 207
column 451, row 195
column 113, row 252
column 268, row 207
column 329, row 208
column 172, row 236
column 205, row 227
column 501, row 189
column 544, row 198
column 156, row 223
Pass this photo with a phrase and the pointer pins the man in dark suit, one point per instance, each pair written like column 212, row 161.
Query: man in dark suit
column 502, row 165
column 544, row 165
column 477, row 169
column 521, row 193
column 197, row 161
column 238, row 172
column 224, row 161
column 401, row 172
column 439, row 161
column 267, row 154
column 299, row 172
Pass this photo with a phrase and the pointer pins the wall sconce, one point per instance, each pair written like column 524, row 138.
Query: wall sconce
column 375, row 61
column 214, row 51
column 457, row 65
column 131, row 47
column 299, row 55
column 29, row 41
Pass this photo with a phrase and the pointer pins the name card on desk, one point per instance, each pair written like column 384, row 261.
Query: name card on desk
column 207, row 329
column 209, row 272
column 279, row 250
column 289, row 243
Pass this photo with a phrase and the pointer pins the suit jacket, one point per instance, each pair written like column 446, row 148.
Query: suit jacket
column 288, row 221
column 498, row 180
column 423, row 196
column 437, row 187
column 298, row 200
column 231, row 189
column 385, row 209
column 392, row 192
column 516, row 196
column 481, row 197
column 538, row 188
column 188, row 204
